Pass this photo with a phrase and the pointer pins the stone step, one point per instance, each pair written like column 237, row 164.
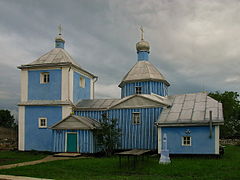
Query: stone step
column 67, row 154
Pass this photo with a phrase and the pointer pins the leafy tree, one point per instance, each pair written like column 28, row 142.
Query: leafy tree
column 107, row 134
column 6, row 119
column 231, row 113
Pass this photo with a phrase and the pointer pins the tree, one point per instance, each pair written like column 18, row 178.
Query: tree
column 107, row 134
column 6, row 119
column 231, row 113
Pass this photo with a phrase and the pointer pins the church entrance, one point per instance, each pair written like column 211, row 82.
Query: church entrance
column 72, row 142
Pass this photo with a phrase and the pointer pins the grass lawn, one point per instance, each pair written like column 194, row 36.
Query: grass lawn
column 227, row 168
column 12, row 157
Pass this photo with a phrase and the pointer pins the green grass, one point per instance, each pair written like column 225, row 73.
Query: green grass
column 12, row 157
column 226, row 168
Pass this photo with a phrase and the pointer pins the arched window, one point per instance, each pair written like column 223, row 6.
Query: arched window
column 82, row 82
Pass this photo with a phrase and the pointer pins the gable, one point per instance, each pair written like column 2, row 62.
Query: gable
column 76, row 122
column 71, row 123
column 136, row 102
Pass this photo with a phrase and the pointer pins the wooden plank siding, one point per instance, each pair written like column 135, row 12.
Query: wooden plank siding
column 134, row 136
column 148, row 87
column 86, row 142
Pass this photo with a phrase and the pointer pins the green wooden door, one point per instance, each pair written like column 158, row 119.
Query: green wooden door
column 71, row 142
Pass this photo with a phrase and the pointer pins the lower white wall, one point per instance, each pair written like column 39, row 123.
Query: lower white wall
column 21, row 128
column 217, row 134
column 24, row 85
column 159, row 140
column 66, row 111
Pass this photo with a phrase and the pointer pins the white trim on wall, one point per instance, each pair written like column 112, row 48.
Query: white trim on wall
column 82, row 72
column 91, row 88
column 24, row 85
column 21, row 128
column 66, row 111
column 216, row 130
column 65, row 84
column 71, row 85
column 159, row 140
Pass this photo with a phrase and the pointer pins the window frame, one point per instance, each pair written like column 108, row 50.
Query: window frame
column 138, row 89
column 134, row 117
column 44, row 77
column 40, row 124
column 186, row 141
column 82, row 82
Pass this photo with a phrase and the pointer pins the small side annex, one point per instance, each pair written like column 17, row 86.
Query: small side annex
column 74, row 134
column 189, row 127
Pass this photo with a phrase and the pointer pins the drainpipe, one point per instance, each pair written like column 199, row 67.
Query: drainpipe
column 210, row 124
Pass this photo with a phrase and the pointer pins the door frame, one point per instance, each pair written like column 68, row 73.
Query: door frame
column 66, row 135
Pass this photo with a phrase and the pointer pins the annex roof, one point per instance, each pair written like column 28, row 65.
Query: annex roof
column 76, row 122
column 143, row 71
column 141, row 101
column 55, row 57
column 96, row 103
column 133, row 101
column 191, row 109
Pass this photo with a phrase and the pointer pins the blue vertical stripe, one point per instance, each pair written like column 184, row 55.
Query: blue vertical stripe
column 148, row 87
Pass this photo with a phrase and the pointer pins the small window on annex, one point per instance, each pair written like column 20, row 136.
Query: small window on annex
column 186, row 141
column 138, row 90
column 42, row 122
column 136, row 118
column 44, row 77
column 82, row 82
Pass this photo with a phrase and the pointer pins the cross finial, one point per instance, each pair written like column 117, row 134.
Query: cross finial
column 60, row 29
column 141, row 28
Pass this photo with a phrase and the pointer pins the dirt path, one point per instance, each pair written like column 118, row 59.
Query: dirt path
column 46, row 159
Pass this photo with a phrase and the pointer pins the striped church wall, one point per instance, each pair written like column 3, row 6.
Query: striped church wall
column 148, row 87
column 91, row 114
column 86, row 142
column 140, row 136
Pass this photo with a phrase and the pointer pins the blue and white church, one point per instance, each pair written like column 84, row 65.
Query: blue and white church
column 58, row 111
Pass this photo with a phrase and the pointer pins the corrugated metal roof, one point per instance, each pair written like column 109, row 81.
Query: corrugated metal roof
column 55, row 57
column 136, row 100
column 96, row 103
column 141, row 100
column 45, row 102
column 142, row 71
column 76, row 122
column 191, row 109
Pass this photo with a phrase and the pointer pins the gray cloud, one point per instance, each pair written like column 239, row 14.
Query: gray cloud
column 195, row 44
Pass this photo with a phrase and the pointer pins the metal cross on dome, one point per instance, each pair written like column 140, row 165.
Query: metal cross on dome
column 141, row 28
column 60, row 29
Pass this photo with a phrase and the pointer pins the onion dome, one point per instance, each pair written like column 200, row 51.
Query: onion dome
column 143, row 46
column 59, row 40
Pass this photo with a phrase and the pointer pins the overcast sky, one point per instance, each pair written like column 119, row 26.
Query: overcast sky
column 194, row 44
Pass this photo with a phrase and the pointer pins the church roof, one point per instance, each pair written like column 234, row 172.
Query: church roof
column 143, row 71
column 133, row 101
column 141, row 101
column 191, row 109
column 76, row 122
column 96, row 103
column 55, row 57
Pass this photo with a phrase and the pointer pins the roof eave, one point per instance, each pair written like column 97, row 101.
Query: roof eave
column 187, row 124
column 62, row 64
column 143, row 80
